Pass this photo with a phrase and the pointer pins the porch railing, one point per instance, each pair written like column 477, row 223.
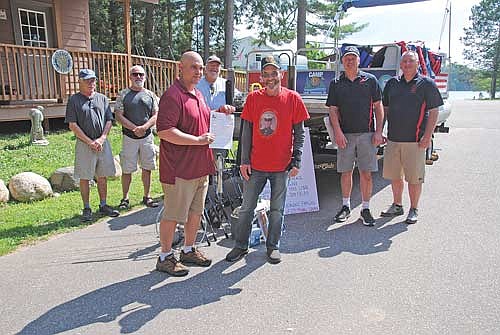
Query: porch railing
column 26, row 73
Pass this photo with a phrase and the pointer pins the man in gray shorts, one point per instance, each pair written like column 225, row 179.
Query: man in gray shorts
column 352, row 98
column 89, row 117
column 136, row 109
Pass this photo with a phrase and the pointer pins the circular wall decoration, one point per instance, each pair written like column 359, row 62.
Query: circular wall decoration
column 62, row 61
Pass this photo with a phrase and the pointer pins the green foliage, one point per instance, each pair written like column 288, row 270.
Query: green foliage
column 276, row 21
column 21, row 223
column 482, row 39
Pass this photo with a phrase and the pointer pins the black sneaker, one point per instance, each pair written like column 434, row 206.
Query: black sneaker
column 86, row 215
column 343, row 214
column 367, row 217
column 108, row 211
column 273, row 256
column 236, row 254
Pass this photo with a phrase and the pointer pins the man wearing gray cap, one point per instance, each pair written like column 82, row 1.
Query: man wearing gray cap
column 356, row 116
column 89, row 117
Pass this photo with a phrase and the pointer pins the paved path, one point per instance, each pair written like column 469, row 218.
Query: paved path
column 440, row 276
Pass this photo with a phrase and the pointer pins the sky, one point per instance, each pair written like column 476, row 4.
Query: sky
column 407, row 22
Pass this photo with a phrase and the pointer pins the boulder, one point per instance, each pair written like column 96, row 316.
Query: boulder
column 29, row 186
column 4, row 192
column 63, row 179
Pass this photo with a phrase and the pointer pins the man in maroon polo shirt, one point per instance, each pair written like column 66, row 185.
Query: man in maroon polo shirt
column 185, row 163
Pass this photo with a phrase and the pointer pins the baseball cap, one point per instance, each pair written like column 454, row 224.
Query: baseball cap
column 214, row 58
column 86, row 74
column 269, row 60
column 350, row 50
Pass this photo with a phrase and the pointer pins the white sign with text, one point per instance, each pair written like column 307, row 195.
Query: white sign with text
column 302, row 195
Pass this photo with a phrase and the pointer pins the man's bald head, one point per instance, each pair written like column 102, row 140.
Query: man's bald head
column 191, row 68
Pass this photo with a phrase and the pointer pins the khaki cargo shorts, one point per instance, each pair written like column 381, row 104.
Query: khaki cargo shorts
column 404, row 159
column 184, row 197
column 135, row 151
column 90, row 164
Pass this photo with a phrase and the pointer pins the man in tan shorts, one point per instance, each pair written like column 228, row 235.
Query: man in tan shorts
column 185, row 163
column 411, row 104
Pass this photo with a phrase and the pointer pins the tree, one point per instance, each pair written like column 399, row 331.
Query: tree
column 281, row 21
column 482, row 39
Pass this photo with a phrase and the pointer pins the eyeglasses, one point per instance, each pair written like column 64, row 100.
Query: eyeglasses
column 273, row 74
column 212, row 89
column 137, row 74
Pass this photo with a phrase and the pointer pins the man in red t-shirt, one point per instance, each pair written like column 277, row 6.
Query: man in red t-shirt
column 271, row 141
column 185, row 163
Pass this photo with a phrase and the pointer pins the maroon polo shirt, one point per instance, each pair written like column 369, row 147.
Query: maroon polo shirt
column 190, row 114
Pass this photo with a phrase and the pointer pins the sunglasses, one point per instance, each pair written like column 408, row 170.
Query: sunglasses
column 137, row 74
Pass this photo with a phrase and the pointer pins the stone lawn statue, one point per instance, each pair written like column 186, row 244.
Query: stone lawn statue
column 36, row 134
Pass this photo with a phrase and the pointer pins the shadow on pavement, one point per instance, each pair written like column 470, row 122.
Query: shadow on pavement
column 139, row 300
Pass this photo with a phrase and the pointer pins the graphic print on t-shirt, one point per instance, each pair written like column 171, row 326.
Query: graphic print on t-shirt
column 267, row 123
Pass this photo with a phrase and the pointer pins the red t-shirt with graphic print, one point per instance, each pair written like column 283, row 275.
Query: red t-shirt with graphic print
column 273, row 118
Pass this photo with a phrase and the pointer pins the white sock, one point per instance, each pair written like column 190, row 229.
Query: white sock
column 346, row 202
column 164, row 255
column 365, row 205
column 187, row 248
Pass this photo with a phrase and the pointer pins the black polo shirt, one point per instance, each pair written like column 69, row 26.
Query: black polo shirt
column 409, row 104
column 355, row 99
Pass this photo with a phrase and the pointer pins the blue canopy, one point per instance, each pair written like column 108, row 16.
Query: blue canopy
column 373, row 3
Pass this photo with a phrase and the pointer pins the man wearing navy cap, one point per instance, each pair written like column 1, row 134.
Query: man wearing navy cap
column 356, row 115
column 89, row 117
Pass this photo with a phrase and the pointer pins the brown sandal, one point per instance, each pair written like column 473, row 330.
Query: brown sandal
column 149, row 202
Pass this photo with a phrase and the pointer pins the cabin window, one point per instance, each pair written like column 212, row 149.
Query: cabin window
column 33, row 28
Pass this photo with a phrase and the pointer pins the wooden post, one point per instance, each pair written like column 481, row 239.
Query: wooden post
column 128, row 45
column 61, row 79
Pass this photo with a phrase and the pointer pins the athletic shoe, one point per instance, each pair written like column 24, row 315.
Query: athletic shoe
column 412, row 216
column 393, row 210
column 367, row 217
column 343, row 214
column 108, row 211
column 236, row 254
column 86, row 215
column 273, row 256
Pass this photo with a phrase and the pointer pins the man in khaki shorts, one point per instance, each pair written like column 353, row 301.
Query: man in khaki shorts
column 89, row 117
column 186, row 161
column 136, row 109
column 356, row 116
column 411, row 104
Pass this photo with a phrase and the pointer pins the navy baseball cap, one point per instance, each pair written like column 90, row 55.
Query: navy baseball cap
column 350, row 50
column 86, row 74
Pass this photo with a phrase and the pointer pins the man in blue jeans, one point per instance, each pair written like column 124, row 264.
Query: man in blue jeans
column 272, row 140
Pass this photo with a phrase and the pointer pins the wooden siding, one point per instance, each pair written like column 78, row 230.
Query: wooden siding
column 6, row 32
column 75, row 25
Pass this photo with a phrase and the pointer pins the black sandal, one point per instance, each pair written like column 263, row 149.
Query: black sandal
column 124, row 204
column 149, row 202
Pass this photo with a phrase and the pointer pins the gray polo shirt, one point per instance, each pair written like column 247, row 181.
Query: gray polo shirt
column 90, row 114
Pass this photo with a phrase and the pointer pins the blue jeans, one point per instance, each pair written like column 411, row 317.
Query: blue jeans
column 251, row 191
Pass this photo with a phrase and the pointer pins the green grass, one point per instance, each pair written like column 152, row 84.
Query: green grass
column 24, row 223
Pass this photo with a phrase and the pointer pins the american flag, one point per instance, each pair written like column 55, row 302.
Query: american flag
column 441, row 81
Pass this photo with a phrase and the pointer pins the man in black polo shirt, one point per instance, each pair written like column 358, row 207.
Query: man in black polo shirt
column 354, row 99
column 411, row 104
